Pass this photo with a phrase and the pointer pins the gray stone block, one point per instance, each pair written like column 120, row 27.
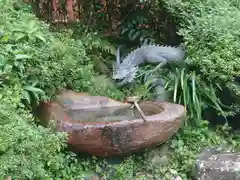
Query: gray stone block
column 214, row 164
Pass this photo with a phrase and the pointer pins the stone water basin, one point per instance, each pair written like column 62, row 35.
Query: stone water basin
column 104, row 127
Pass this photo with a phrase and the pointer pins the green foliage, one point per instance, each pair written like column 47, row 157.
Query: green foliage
column 42, row 61
column 106, row 87
column 136, row 28
column 28, row 151
column 123, row 171
column 195, row 95
column 181, row 85
column 185, row 87
column 211, row 34
column 147, row 22
column 34, row 63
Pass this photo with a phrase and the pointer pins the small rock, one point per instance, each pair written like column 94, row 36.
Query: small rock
column 94, row 178
column 178, row 178
column 217, row 165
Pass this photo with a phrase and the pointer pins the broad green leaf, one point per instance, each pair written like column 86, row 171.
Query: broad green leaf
column 40, row 36
column 26, row 96
column 33, row 89
column 32, row 31
column 20, row 36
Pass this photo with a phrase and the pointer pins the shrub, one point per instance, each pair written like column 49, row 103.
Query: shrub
column 34, row 63
column 196, row 96
column 210, row 31
column 28, row 151
column 39, row 60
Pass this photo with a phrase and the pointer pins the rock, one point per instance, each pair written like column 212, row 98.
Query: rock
column 214, row 164
column 82, row 116
column 94, row 178
column 178, row 178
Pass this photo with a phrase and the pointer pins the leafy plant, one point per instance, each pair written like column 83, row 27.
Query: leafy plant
column 187, row 89
column 32, row 69
column 28, row 30
column 42, row 61
column 32, row 93
column 210, row 33
column 28, row 151
column 184, row 86
column 137, row 29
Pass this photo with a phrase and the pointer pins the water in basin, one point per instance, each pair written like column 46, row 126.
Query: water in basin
column 104, row 114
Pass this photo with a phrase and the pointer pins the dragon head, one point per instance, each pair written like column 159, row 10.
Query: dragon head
column 123, row 72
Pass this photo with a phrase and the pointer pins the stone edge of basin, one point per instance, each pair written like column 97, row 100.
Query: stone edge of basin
column 170, row 111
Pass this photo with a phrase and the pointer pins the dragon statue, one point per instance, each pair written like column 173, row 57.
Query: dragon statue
column 125, row 69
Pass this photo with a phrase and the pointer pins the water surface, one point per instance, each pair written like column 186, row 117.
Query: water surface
column 104, row 114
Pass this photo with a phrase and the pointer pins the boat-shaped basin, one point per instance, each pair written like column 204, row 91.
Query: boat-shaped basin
column 104, row 127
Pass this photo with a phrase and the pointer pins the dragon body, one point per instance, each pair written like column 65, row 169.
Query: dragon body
column 125, row 69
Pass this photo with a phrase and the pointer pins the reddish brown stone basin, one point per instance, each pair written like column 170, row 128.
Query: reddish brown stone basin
column 105, row 127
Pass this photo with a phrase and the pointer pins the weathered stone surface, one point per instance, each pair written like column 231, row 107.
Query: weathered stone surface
column 111, row 138
column 214, row 164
